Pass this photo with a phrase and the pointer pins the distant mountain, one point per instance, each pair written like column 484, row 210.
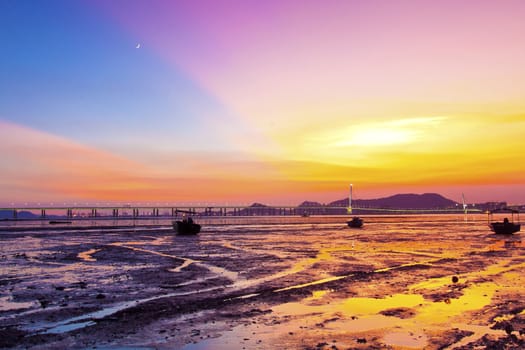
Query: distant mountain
column 258, row 205
column 310, row 204
column 401, row 201
column 25, row 215
column 8, row 214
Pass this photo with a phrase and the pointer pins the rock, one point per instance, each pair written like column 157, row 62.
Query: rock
column 508, row 328
column 455, row 279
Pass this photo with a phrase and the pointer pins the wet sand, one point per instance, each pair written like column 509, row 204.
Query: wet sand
column 417, row 282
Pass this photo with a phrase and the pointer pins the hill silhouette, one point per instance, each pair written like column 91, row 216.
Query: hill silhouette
column 23, row 214
column 401, row 201
column 310, row 204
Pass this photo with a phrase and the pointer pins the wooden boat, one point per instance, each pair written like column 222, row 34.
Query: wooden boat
column 505, row 227
column 356, row 222
column 186, row 227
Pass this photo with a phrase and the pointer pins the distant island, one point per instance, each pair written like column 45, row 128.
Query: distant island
column 401, row 201
column 407, row 201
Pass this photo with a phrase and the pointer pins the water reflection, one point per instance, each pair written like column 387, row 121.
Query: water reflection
column 7, row 304
column 409, row 339
column 366, row 314
column 87, row 255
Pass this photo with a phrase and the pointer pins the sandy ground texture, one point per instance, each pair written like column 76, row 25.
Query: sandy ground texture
column 436, row 282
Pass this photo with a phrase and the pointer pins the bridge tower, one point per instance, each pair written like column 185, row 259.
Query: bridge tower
column 350, row 201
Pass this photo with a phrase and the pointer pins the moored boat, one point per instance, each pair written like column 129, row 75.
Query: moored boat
column 186, row 227
column 505, row 227
column 356, row 222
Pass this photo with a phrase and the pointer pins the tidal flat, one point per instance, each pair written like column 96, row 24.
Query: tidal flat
column 400, row 282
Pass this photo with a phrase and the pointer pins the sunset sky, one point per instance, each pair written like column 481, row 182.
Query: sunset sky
column 212, row 101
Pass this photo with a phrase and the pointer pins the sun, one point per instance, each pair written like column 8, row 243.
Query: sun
column 390, row 133
column 376, row 137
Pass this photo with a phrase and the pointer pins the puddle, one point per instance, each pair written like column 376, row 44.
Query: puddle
column 404, row 313
column 69, row 327
column 352, row 307
column 318, row 294
column 185, row 263
column 415, row 340
column 89, row 319
column 87, row 255
column 474, row 297
column 478, row 332
column 7, row 304
column 233, row 276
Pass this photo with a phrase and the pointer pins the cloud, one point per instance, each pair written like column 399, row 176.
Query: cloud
column 39, row 164
column 42, row 167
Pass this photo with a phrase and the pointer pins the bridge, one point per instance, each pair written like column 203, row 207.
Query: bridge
column 149, row 211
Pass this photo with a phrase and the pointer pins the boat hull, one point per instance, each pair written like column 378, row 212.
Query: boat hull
column 355, row 223
column 57, row 222
column 186, row 228
column 502, row 228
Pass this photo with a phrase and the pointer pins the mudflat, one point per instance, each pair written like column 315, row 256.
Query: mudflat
column 422, row 282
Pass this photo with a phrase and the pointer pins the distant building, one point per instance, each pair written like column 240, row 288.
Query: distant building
column 488, row 206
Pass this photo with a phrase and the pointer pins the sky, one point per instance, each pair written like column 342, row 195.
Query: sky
column 277, row 101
